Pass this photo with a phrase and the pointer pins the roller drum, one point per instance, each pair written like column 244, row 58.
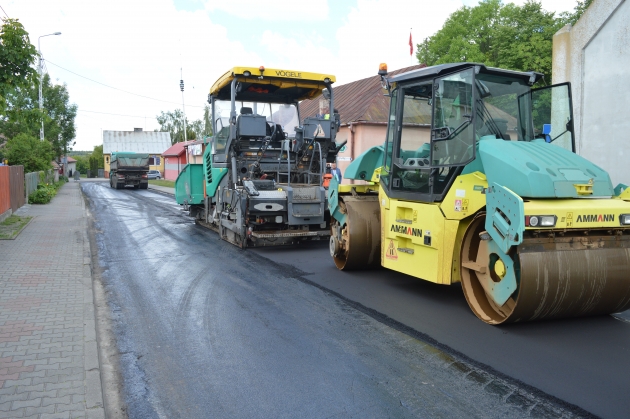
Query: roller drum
column 556, row 277
column 361, row 244
column 572, row 283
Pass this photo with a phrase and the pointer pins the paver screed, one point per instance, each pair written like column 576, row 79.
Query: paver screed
column 48, row 353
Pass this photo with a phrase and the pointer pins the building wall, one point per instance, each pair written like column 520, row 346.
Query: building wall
column 594, row 55
column 173, row 165
column 361, row 137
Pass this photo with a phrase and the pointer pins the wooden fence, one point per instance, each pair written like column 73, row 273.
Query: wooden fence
column 12, row 193
column 5, row 192
column 16, row 186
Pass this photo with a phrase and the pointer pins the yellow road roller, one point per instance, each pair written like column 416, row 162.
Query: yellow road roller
column 478, row 182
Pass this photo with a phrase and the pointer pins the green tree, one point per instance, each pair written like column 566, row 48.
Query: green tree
column 173, row 123
column 98, row 155
column 17, row 56
column 82, row 163
column 22, row 115
column 498, row 35
column 578, row 11
column 207, row 116
column 197, row 127
column 28, row 151
column 93, row 161
column 59, row 125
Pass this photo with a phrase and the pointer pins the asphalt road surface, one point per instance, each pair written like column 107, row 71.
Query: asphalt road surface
column 205, row 329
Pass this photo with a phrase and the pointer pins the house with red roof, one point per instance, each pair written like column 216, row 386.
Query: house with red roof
column 176, row 157
column 363, row 109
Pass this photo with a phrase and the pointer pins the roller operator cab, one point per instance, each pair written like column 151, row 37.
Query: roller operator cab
column 478, row 182
column 260, row 183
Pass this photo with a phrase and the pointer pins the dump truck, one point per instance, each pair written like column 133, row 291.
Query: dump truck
column 129, row 169
column 260, row 180
column 478, row 183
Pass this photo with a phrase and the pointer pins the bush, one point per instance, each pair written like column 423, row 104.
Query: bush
column 42, row 195
column 45, row 192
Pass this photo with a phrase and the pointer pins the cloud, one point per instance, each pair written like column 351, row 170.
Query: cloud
column 134, row 45
column 305, row 51
column 273, row 10
column 140, row 46
column 377, row 31
column 557, row 6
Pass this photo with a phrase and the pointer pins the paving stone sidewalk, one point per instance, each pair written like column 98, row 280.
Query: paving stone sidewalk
column 49, row 365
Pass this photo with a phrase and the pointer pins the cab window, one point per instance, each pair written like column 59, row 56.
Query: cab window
column 411, row 165
column 389, row 143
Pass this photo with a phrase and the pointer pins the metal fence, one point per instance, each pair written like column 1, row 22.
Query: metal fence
column 30, row 182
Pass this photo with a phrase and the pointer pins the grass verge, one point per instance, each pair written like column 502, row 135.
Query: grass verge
column 162, row 182
column 12, row 226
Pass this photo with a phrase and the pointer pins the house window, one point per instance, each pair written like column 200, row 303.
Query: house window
column 107, row 159
column 152, row 161
column 157, row 160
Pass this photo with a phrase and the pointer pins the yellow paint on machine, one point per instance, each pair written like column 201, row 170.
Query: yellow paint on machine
column 282, row 78
column 403, row 246
column 579, row 213
column 423, row 239
column 466, row 196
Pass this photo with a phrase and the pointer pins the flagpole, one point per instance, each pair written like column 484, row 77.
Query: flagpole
column 411, row 46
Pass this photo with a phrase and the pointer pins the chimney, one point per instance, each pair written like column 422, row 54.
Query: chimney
column 137, row 130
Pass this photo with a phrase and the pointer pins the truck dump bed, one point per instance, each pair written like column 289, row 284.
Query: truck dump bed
column 129, row 169
column 130, row 161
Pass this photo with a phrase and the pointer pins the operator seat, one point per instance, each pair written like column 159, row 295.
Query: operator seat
column 277, row 137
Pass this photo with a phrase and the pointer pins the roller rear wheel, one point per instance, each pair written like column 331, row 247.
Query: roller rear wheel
column 556, row 278
column 360, row 244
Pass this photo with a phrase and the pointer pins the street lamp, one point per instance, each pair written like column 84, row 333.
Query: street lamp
column 41, row 77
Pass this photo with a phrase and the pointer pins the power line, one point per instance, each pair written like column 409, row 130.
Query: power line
column 5, row 13
column 117, row 114
column 115, row 88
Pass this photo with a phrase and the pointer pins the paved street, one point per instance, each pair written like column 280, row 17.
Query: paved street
column 49, row 365
column 205, row 329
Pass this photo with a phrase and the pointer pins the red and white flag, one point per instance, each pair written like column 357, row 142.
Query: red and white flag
column 410, row 45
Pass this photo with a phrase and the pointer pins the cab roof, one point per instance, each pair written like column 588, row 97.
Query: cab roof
column 276, row 85
column 530, row 77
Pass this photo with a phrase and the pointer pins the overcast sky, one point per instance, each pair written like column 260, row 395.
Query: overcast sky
column 139, row 46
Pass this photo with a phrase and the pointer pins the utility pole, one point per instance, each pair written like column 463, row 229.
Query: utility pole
column 40, row 69
column 65, row 157
column 181, row 86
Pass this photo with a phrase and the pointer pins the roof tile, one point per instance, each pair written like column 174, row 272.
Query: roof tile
column 361, row 100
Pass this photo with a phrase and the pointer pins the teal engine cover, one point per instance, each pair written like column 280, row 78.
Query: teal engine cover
column 362, row 168
column 539, row 170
